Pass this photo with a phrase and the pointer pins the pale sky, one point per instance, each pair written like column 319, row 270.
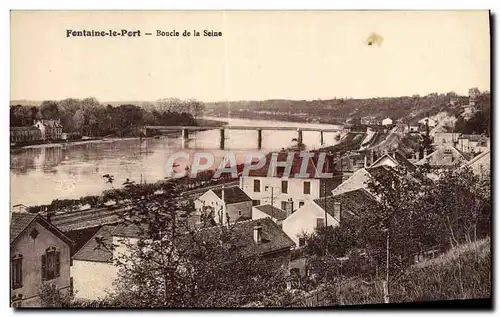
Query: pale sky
column 261, row 55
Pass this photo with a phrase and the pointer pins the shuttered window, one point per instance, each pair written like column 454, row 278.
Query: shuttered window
column 51, row 264
column 17, row 271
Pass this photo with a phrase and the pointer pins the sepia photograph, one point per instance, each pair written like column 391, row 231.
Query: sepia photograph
column 250, row 159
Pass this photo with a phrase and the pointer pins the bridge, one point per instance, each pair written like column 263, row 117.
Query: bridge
column 185, row 131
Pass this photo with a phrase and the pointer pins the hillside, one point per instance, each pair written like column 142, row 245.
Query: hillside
column 406, row 109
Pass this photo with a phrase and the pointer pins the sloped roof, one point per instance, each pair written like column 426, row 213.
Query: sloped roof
column 354, row 202
column 272, row 211
column 232, row 194
column 91, row 252
column 273, row 238
column 439, row 150
column 90, row 218
column 398, row 158
column 52, row 123
column 471, row 137
column 478, row 157
column 22, row 220
column 312, row 165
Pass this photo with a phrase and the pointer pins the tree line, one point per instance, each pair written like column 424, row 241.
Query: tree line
column 91, row 118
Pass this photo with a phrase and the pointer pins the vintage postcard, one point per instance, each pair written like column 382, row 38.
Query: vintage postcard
column 198, row 159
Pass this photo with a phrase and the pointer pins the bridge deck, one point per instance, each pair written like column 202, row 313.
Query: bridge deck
column 234, row 127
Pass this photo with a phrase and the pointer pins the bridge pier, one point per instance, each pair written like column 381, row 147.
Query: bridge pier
column 222, row 139
column 321, row 137
column 299, row 138
column 259, row 138
column 185, row 134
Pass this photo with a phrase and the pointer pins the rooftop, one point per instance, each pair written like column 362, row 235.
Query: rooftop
column 20, row 221
column 232, row 194
column 272, row 211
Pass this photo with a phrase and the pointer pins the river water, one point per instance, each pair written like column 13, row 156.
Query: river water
column 41, row 174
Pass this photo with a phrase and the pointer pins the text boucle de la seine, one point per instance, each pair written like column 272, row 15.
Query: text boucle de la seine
column 138, row 33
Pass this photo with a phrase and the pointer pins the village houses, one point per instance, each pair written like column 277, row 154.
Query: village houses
column 387, row 121
column 94, row 271
column 40, row 255
column 50, row 129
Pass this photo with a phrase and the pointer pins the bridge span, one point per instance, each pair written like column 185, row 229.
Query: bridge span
column 185, row 131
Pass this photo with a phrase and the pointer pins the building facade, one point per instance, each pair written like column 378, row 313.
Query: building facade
column 50, row 129
column 40, row 255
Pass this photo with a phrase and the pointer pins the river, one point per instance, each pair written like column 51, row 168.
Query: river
column 40, row 175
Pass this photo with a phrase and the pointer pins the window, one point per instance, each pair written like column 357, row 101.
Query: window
column 302, row 241
column 280, row 170
column 256, row 185
column 284, row 187
column 307, row 188
column 320, row 223
column 284, row 205
column 301, row 203
column 255, row 202
column 17, row 271
column 51, row 264
column 239, row 213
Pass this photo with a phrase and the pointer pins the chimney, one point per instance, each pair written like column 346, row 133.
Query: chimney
column 366, row 160
column 257, row 234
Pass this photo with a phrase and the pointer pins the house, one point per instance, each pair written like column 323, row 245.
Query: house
column 225, row 204
column 387, row 121
column 446, row 138
column 94, row 271
column 394, row 159
column 40, row 255
column 480, row 164
column 50, row 129
column 444, row 156
column 281, row 190
column 412, row 129
column 427, row 121
column 25, row 134
column 19, row 208
column 267, row 211
column 473, row 143
column 334, row 209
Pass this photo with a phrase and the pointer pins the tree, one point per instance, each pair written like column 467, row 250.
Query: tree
column 172, row 264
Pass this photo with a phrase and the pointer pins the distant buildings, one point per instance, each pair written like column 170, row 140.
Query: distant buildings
column 40, row 130
column 25, row 134
column 40, row 255
column 473, row 143
column 50, row 129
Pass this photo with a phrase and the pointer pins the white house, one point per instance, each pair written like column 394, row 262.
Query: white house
column 93, row 271
column 281, row 190
column 338, row 208
column 387, row 121
column 480, row 164
column 223, row 204
column 424, row 121
column 306, row 220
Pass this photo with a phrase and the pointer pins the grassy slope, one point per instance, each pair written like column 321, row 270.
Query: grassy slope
column 462, row 273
